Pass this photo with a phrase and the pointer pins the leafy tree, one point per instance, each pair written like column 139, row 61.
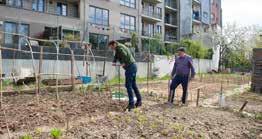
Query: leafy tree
column 155, row 45
column 134, row 40
column 193, row 48
column 233, row 38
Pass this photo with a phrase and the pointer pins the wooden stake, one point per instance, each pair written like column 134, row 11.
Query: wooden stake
column 72, row 70
column 40, row 69
column 243, row 106
column 1, row 81
column 198, row 95
column 7, row 127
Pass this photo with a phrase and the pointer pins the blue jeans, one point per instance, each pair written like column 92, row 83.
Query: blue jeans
column 130, row 74
column 180, row 79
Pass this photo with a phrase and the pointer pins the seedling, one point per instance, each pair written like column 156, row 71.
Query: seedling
column 258, row 116
column 26, row 136
column 56, row 133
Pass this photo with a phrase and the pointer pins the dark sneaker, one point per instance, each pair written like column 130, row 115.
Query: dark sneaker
column 130, row 107
column 138, row 104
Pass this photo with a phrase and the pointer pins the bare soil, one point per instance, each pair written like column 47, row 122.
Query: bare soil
column 96, row 115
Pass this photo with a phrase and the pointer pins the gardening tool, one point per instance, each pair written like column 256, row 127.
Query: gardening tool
column 118, row 93
column 170, row 92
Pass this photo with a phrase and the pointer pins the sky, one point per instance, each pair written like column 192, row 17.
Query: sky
column 242, row 12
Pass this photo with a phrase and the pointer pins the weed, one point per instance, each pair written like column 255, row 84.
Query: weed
column 38, row 131
column 26, row 136
column 56, row 133
column 258, row 116
column 178, row 127
column 164, row 132
column 154, row 125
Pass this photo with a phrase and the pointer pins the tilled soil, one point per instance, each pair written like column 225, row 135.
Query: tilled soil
column 96, row 115
column 159, row 120
column 254, row 102
column 23, row 113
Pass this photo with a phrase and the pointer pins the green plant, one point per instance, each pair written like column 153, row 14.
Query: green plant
column 258, row 116
column 56, row 133
column 134, row 40
column 26, row 136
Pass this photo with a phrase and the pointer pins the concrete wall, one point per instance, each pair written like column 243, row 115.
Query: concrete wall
column 185, row 17
column 162, row 63
column 205, row 11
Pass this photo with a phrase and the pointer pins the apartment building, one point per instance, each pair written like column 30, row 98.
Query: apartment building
column 96, row 21
column 45, row 19
column 205, row 15
column 216, row 14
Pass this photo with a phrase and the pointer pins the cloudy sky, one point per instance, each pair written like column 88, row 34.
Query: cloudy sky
column 242, row 12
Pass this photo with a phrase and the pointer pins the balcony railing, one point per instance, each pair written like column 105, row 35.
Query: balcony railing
column 147, row 33
column 150, row 34
column 171, row 21
column 170, row 38
column 196, row 15
column 170, row 3
column 153, row 14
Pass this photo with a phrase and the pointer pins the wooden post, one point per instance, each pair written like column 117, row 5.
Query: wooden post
column 72, row 70
column 243, row 106
column 1, row 81
column 198, row 95
column 40, row 69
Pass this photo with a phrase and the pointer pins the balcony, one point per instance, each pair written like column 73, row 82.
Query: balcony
column 169, row 38
column 38, row 17
column 153, row 1
column 70, row 8
column 147, row 33
column 196, row 17
column 151, row 15
column 196, row 2
column 171, row 5
column 171, row 22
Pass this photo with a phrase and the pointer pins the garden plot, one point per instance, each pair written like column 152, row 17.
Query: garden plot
column 96, row 115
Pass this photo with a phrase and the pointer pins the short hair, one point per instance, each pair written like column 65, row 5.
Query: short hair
column 112, row 42
column 182, row 49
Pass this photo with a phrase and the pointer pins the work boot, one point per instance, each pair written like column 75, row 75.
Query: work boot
column 138, row 104
column 130, row 107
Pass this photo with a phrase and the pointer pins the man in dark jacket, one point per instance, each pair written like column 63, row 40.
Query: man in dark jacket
column 182, row 72
column 127, row 61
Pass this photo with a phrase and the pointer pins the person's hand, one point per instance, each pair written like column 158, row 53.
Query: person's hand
column 192, row 78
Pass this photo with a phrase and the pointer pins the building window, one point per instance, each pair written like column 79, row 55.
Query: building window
column 38, row 5
column 128, row 3
column 15, row 3
column 99, row 16
column 148, row 29
column 159, row 11
column 61, row 9
column 11, row 27
column 158, row 29
column 75, row 11
column 127, row 23
column 98, row 41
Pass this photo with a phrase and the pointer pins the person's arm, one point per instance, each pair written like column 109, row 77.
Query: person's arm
column 120, row 53
column 193, row 72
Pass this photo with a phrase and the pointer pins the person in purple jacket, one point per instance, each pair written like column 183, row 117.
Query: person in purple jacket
column 182, row 72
